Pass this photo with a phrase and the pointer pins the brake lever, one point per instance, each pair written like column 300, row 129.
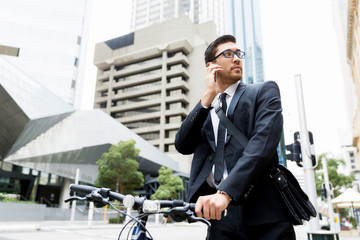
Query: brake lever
column 95, row 197
column 191, row 218
column 75, row 198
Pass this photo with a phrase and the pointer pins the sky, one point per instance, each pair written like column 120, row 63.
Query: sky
column 298, row 38
column 108, row 19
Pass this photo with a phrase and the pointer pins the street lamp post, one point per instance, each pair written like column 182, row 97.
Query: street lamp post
column 309, row 175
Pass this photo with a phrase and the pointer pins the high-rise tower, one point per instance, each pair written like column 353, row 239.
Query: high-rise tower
column 150, row 79
column 50, row 36
column 148, row 12
column 244, row 23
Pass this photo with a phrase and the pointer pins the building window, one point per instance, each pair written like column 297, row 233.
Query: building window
column 138, row 99
column 137, row 64
column 73, row 84
column 174, row 119
column 105, row 82
column 170, row 133
column 175, row 106
column 170, row 148
column 139, row 87
column 175, row 79
column 44, row 178
column 138, row 75
column 176, row 92
column 136, row 112
column 79, row 40
column 54, row 179
column 76, row 62
column 150, row 136
column 143, row 123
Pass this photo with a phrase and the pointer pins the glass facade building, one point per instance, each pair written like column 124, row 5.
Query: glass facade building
column 51, row 37
column 244, row 24
column 148, row 12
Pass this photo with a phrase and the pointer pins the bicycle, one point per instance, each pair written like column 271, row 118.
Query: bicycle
column 177, row 209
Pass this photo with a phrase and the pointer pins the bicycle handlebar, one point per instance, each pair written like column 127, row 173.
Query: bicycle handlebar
column 138, row 201
column 179, row 210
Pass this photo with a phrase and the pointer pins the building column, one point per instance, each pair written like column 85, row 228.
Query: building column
column 163, row 101
column 110, row 89
column 65, row 193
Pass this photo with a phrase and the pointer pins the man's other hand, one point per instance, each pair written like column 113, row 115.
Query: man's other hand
column 212, row 206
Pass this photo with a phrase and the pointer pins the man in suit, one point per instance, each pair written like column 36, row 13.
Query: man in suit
column 224, row 174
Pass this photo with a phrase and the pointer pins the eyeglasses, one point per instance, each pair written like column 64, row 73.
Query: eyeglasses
column 230, row 54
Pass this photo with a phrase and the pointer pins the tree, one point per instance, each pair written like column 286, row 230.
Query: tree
column 337, row 179
column 170, row 185
column 118, row 168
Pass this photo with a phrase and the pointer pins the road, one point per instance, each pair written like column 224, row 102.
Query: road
column 56, row 230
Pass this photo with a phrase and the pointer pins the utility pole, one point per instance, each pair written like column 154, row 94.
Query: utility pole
column 328, row 195
column 73, row 207
column 309, row 175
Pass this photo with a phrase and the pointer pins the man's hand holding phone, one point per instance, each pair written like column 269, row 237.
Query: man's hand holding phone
column 212, row 88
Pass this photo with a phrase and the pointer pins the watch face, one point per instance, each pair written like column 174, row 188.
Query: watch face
column 129, row 201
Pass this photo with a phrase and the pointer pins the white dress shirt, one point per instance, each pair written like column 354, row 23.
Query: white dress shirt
column 230, row 91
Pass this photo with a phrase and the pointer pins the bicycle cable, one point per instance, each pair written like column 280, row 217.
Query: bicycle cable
column 132, row 219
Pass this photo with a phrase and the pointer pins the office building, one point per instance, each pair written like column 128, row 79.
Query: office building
column 238, row 17
column 150, row 79
column 50, row 37
column 347, row 28
column 244, row 23
column 44, row 140
column 353, row 55
column 148, row 12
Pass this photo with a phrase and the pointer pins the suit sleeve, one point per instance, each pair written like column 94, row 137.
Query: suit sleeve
column 189, row 133
column 264, row 139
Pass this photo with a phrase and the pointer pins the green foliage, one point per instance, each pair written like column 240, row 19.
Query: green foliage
column 170, row 185
column 338, row 180
column 120, row 219
column 118, row 168
column 13, row 198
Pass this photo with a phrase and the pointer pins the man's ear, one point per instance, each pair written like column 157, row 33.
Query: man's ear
column 208, row 64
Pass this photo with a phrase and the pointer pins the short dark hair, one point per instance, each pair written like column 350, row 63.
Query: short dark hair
column 211, row 49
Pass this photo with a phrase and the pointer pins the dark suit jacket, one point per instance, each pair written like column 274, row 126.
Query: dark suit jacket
column 256, row 111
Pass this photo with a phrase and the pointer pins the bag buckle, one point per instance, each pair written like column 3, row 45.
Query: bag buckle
column 280, row 179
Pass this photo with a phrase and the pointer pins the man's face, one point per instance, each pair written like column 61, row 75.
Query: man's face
column 232, row 67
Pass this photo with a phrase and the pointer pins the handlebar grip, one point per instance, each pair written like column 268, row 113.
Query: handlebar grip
column 81, row 188
column 192, row 207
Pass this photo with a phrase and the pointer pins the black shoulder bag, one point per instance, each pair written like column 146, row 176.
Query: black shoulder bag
column 297, row 202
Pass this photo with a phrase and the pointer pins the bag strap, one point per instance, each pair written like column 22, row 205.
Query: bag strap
column 238, row 135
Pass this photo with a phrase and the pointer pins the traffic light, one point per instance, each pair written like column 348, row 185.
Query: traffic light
column 312, row 153
column 323, row 192
column 295, row 152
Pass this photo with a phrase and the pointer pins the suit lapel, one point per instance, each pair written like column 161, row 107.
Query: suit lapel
column 209, row 132
column 234, row 102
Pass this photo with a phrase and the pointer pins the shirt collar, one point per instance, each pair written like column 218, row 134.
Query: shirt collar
column 231, row 89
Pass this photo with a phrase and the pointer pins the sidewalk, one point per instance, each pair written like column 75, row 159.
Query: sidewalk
column 301, row 231
column 18, row 226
